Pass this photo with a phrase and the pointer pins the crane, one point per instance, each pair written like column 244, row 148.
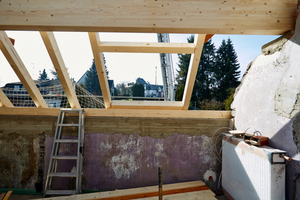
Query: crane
column 167, row 69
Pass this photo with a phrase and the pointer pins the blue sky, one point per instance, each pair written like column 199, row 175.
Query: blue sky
column 122, row 67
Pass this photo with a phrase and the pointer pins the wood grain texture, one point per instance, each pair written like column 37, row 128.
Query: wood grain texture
column 164, row 16
column 192, row 71
column 153, row 105
column 59, row 65
column 19, row 68
column 136, row 113
column 100, row 66
column 4, row 101
column 141, row 192
column 150, row 47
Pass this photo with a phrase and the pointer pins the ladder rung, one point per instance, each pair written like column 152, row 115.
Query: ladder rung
column 67, row 140
column 68, row 124
column 71, row 110
column 63, row 174
column 65, row 157
column 66, row 192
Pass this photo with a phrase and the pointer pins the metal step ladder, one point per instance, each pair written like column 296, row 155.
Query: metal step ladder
column 52, row 170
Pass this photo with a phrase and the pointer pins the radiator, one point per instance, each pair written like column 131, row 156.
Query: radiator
column 250, row 172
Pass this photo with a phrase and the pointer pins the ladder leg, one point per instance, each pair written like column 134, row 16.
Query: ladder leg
column 49, row 180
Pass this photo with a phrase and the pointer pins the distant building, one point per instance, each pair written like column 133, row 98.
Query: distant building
column 151, row 90
column 110, row 83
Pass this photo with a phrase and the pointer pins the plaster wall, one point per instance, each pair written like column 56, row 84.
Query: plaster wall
column 119, row 152
column 268, row 100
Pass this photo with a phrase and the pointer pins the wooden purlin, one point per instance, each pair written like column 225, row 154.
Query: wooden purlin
column 189, row 114
column 140, row 47
column 4, row 101
column 59, row 65
column 100, row 66
column 154, row 105
column 182, row 16
column 192, row 71
column 17, row 65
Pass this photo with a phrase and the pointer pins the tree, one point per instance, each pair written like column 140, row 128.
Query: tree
column 205, row 78
column 123, row 90
column 53, row 72
column 226, row 71
column 138, row 90
column 92, row 81
column 184, row 61
column 43, row 76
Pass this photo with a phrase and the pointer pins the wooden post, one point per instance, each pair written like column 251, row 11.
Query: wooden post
column 160, row 182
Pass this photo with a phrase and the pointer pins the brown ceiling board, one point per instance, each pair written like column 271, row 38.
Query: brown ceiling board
column 167, row 16
column 59, row 65
column 4, row 101
column 18, row 66
column 100, row 66
column 192, row 71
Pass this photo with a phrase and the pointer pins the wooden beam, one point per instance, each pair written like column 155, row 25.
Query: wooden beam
column 164, row 16
column 16, row 63
column 4, row 101
column 59, row 65
column 139, row 192
column 6, row 197
column 100, row 66
column 192, row 71
column 153, row 105
column 189, row 114
column 199, row 195
column 140, row 47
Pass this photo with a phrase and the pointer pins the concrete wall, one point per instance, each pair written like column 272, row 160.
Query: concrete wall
column 119, row 152
column 268, row 100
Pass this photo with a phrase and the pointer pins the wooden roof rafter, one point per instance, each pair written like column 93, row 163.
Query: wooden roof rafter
column 100, row 66
column 4, row 101
column 59, row 65
column 18, row 66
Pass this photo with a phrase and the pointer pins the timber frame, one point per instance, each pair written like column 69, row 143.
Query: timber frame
column 203, row 18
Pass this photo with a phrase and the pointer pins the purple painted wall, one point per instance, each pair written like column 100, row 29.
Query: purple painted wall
column 117, row 161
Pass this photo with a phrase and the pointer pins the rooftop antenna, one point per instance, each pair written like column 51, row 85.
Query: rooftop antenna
column 155, row 75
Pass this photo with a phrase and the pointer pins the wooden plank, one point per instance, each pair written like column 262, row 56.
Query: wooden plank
column 192, row 71
column 16, row 63
column 121, row 194
column 6, row 197
column 99, row 62
column 4, row 101
column 2, row 196
column 164, row 16
column 154, row 105
column 196, row 195
column 59, row 65
column 189, row 114
column 152, row 194
column 140, row 47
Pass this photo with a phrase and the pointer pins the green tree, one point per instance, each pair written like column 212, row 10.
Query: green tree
column 92, row 81
column 184, row 61
column 138, row 90
column 205, row 78
column 226, row 71
column 43, row 76
column 53, row 72
column 123, row 90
